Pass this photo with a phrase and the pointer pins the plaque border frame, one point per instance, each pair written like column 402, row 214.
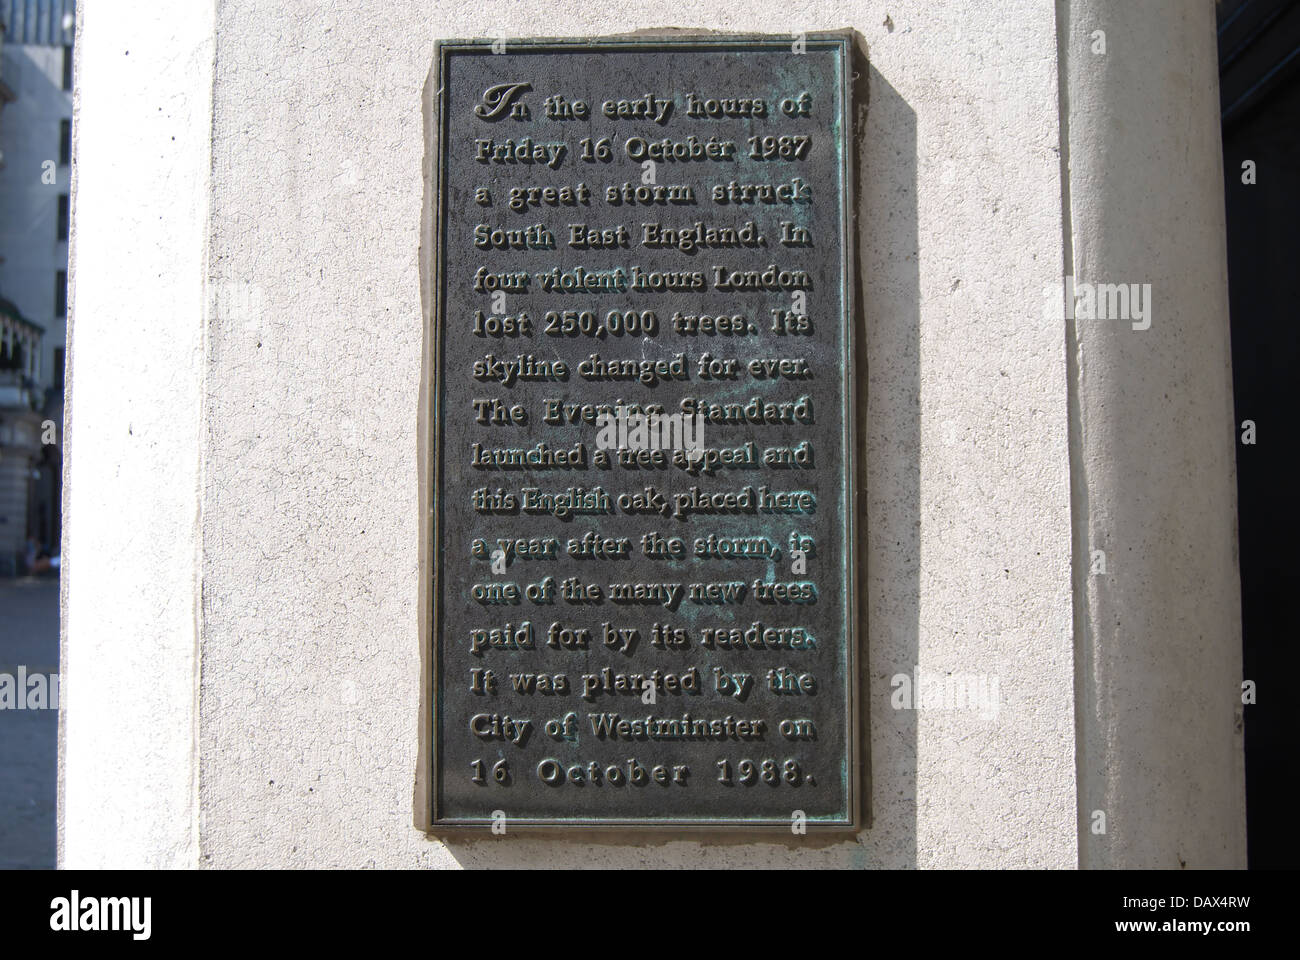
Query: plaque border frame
column 853, row 98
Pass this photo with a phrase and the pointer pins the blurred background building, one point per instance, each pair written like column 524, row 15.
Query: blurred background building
column 35, row 176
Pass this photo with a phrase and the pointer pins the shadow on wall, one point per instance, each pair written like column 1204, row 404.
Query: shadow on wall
column 889, row 290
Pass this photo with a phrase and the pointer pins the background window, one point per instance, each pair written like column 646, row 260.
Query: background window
column 63, row 216
column 67, row 68
column 61, row 293
column 65, row 142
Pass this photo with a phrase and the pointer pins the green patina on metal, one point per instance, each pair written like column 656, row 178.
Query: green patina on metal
column 543, row 208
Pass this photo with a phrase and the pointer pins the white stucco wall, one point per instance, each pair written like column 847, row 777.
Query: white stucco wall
column 134, row 420
column 1160, row 632
column 296, row 380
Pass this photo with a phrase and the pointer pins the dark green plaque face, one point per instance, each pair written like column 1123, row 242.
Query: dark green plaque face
column 643, row 554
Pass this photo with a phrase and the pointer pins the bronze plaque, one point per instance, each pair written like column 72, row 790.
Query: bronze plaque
column 641, row 596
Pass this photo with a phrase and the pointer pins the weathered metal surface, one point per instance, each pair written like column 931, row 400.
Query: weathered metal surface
column 621, row 224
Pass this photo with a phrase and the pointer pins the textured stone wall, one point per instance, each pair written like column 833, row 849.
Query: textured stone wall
column 281, row 568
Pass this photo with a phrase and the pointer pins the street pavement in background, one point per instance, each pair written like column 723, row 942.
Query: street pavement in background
column 29, row 637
